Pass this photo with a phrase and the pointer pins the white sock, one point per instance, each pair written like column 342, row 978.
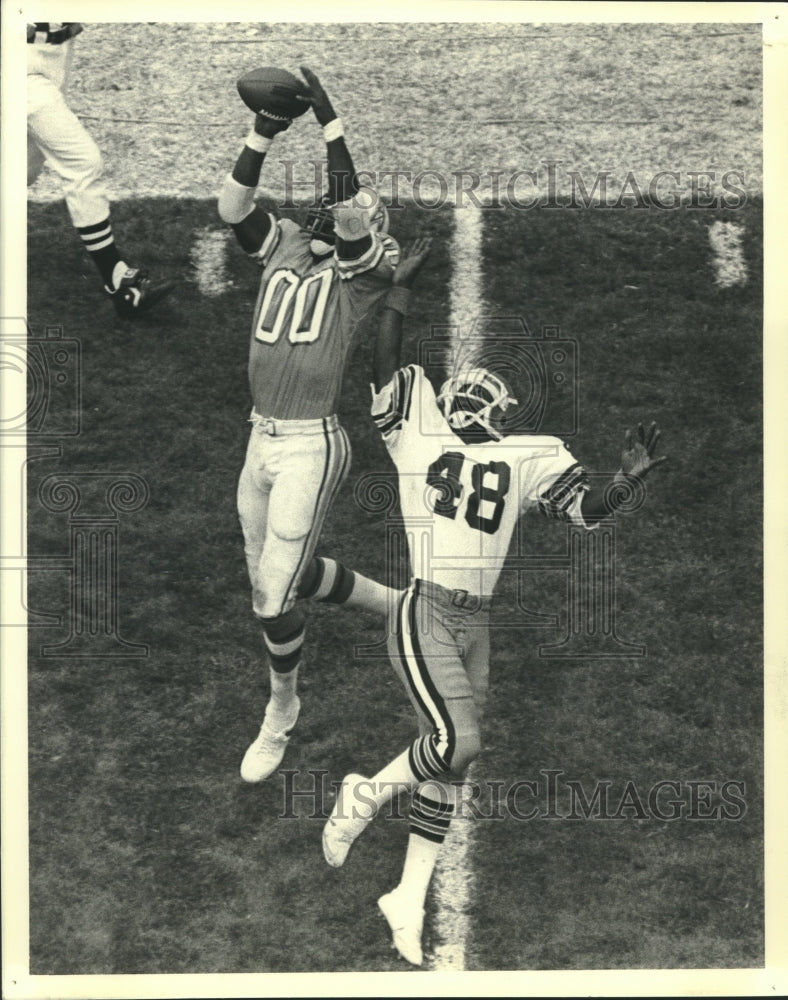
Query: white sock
column 283, row 693
column 422, row 852
column 395, row 777
column 420, row 859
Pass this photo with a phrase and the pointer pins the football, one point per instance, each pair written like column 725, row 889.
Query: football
column 272, row 92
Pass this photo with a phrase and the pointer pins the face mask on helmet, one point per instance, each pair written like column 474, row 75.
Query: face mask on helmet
column 319, row 226
column 470, row 397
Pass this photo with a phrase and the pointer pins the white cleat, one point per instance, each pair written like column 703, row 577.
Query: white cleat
column 265, row 755
column 348, row 820
column 406, row 922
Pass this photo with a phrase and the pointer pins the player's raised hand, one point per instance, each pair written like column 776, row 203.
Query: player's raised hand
column 269, row 127
column 412, row 262
column 637, row 458
column 317, row 97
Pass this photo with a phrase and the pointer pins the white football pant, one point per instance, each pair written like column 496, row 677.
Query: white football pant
column 293, row 471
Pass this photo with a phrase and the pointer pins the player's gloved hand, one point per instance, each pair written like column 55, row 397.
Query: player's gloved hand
column 412, row 262
column 317, row 97
column 637, row 457
column 269, row 127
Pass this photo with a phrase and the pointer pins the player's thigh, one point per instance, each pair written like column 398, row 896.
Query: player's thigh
column 429, row 661
column 310, row 470
column 35, row 160
column 252, row 501
column 62, row 137
column 477, row 661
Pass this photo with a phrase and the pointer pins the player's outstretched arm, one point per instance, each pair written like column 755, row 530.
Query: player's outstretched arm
column 388, row 343
column 637, row 460
column 342, row 182
column 236, row 206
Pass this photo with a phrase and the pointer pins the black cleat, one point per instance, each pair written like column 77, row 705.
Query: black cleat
column 137, row 293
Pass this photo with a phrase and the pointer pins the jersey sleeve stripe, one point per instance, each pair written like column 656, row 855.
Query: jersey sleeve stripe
column 387, row 422
column 270, row 243
column 398, row 410
column 556, row 500
column 368, row 261
column 408, row 382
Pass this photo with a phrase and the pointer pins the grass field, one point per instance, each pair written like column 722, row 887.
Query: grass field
column 148, row 854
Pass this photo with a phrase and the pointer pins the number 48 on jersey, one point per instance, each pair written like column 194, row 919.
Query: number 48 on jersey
column 484, row 504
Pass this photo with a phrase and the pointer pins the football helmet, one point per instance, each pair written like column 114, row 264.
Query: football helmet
column 470, row 397
column 379, row 221
column 319, row 226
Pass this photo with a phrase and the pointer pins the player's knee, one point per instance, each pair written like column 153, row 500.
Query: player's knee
column 35, row 162
column 466, row 750
column 88, row 166
column 270, row 602
column 94, row 162
column 283, row 626
column 270, row 594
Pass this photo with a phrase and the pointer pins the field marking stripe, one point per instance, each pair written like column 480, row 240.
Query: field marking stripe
column 209, row 259
column 728, row 261
column 453, row 884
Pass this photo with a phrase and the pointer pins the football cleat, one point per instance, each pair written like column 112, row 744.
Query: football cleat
column 136, row 293
column 348, row 820
column 406, row 922
column 471, row 396
column 265, row 755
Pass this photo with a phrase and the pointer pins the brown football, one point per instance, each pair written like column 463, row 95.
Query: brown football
column 272, row 92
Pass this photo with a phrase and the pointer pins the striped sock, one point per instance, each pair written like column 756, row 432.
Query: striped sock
column 282, row 708
column 284, row 639
column 329, row 581
column 99, row 242
column 425, row 759
column 431, row 813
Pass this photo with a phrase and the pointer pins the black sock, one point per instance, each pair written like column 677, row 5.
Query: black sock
column 100, row 244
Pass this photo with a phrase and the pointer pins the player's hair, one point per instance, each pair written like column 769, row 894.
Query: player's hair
column 469, row 398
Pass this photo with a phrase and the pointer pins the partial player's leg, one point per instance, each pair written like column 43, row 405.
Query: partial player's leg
column 69, row 149
column 435, row 803
column 308, row 470
column 426, row 654
column 35, row 160
column 328, row 581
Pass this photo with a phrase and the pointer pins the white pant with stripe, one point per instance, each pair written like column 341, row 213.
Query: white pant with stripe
column 439, row 647
column 292, row 473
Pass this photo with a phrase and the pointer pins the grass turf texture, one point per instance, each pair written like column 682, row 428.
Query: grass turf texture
column 148, row 854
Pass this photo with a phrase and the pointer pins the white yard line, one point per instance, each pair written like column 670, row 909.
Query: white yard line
column 453, row 882
column 209, row 257
column 466, row 303
column 729, row 264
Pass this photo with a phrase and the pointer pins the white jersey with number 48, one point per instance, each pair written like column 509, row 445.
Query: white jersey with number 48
column 460, row 502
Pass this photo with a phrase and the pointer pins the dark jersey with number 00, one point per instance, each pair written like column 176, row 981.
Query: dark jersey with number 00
column 305, row 320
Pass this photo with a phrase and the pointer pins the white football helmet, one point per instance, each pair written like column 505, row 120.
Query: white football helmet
column 379, row 221
column 471, row 396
